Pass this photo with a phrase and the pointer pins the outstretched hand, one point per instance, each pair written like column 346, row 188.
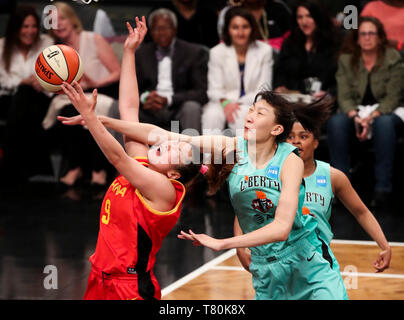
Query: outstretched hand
column 72, row 121
column 79, row 100
column 136, row 35
column 202, row 240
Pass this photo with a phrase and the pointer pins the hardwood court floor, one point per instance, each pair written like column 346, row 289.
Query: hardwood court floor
column 224, row 278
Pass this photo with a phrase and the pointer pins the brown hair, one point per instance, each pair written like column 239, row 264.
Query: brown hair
column 312, row 116
column 68, row 12
column 351, row 46
column 283, row 110
column 239, row 12
column 14, row 25
column 196, row 183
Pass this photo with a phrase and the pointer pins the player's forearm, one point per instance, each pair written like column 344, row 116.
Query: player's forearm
column 151, row 134
column 128, row 88
column 107, row 143
column 369, row 223
column 141, row 132
column 275, row 231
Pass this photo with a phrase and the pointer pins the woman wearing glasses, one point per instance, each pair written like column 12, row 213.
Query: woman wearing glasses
column 369, row 73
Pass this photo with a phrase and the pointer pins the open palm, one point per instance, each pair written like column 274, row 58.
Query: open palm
column 136, row 35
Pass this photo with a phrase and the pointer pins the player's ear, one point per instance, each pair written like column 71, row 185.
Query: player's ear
column 277, row 130
column 173, row 174
column 316, row 142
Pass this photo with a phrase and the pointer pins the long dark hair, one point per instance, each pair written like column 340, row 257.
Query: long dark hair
column 283, row 110
column 325, row 34
column 312, row 116
column 351, row 46
column 13, row 28
column 239, row 12
column 196, row 182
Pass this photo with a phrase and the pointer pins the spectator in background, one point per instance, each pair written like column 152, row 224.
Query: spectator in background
column 238, row 68
column 23, row 103
column 171, row 75
column 368, row 73
column 101, row 71
column 93, row 18
column 195, row 23
column 273, row 19
column 391, row 14
column 309, row 52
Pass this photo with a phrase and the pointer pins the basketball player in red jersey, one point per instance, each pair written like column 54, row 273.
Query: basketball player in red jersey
column 144, row 202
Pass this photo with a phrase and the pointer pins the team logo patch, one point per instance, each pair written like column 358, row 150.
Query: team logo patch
column 321, row 181
column 273, row 172
column 306, row 211
column 262, row 203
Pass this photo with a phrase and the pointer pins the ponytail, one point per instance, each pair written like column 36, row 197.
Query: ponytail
column 200, row 182
column 312, row 116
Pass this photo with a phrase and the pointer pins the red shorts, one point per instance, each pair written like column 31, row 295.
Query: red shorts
column 101, row 286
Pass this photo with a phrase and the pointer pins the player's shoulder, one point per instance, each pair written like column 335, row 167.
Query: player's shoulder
column 338, row 178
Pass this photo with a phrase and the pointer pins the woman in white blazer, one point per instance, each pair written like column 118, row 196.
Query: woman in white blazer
column 238, row 68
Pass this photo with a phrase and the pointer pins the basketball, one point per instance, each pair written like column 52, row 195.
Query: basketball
column 56, row 64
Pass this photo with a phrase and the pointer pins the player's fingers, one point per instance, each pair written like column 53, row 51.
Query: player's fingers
column 78, row 88
column 186, row 236
column 95, row 94
column 130, row 29
column 68, row 92
column 68, row 120
column 71, row 90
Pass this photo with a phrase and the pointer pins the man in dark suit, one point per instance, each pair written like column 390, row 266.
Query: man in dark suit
column 172, row 75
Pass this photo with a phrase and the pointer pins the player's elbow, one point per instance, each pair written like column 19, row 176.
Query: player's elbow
column 283, row 235
column 117, row 160
column 283, row 231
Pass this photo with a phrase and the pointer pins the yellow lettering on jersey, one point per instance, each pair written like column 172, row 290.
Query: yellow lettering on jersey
column 121, row 191
column 105, row 218
column 116, row 187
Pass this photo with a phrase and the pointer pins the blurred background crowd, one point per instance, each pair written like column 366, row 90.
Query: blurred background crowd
column 201, row 65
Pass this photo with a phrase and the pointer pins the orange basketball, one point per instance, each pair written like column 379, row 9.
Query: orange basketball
column 58, row 63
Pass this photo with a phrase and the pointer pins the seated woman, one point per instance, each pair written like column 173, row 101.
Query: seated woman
column 273, row 19
column 23, row 103
column 309, row 52
column 368, row 73
column 237, row 69
column 101, row 71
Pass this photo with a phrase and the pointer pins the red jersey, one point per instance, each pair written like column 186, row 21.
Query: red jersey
column 131, row 232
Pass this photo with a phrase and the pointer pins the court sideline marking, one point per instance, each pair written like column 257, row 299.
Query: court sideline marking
column 228, row 254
